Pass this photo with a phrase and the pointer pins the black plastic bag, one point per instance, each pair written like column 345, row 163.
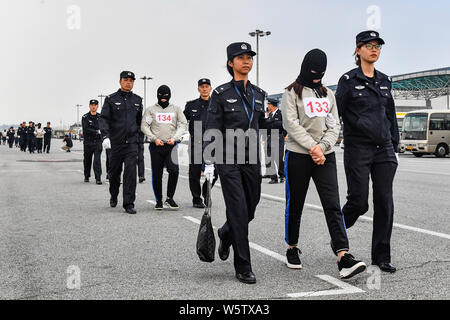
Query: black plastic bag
column 206, row 242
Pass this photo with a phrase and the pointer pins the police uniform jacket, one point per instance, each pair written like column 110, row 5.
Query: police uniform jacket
column 227, row 111
column 274, row 123
column 48, row 133
column 91, row 128
column 196, row 110
column 367, row 109
column 121, row 117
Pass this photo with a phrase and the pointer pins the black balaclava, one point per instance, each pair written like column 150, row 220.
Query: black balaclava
column 162, row 91
column 315, row 60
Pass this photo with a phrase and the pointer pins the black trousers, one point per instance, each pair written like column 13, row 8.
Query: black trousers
column 11, row 142
column 160, row 157
column 31, row 144
column 277, row 160
column 241, row 188
column 140, row 161
column 300, row 168
column 39, row 144
column 23, row 143
column 381, row 164
column 108, row 162
column 195, row 172
column 92, row 149
column 47, row 144
column 124, row 155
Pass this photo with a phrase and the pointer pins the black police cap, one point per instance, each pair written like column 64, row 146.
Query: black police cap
column 367, row 36
column 93, row 101
column 204, row 81
column 272, row 101
column 127, row 74
column 238, row 48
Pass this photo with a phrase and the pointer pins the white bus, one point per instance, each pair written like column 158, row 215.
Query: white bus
column 427, row 132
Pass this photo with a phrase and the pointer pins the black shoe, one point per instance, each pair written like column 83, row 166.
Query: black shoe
column 113, row 203
column 273, row 181
column 246, row 277
column 349, row 267
column 98, row 182
column 199, row 204
column 224, row 249
column 387, row 267
column 130, row 210
column 159, row 205
column 86, row 179
column 141, row 179
column 293, row 258
column 171, row 204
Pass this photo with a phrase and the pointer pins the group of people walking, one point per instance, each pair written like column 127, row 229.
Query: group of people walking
column 308, row 119
column 33, row 138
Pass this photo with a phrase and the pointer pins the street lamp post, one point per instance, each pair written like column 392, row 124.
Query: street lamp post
column 145, row 78
column 258, row 33
column 78, row 112
column 101, row 96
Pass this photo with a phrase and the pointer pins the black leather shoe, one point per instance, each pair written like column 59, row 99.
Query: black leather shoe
column 113, row 203
column 387, row 267
column 98, row 182
column 141, row 179
column 224, row 250
column 86, row 179
column 246, row 277
column 199, row 205
column 130, row 211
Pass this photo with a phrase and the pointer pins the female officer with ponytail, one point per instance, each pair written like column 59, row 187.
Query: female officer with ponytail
column 371, row 142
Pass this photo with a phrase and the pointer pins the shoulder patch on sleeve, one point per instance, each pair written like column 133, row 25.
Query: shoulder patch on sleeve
column 346, row 76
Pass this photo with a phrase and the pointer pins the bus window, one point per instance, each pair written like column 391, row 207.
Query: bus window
column 415, row 126
column 437, row 121
column 447, row 122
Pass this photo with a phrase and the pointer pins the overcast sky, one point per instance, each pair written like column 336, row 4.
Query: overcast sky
column 57, row 53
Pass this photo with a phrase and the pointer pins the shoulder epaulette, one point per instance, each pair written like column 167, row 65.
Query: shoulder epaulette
column 222, row 88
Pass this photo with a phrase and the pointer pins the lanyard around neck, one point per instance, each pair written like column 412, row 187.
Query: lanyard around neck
column 245, row 105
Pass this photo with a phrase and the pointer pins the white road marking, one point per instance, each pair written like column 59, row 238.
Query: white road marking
column 344, row 288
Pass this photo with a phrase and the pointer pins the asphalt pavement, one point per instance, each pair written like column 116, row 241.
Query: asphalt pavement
column 59, row 239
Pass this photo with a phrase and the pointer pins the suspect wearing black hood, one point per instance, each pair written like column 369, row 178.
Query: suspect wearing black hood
column 315, row 60
column 164, row 93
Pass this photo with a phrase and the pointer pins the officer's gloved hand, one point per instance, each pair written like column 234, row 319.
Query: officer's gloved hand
column 106, row 144
column 330, row 121
column 209, row 172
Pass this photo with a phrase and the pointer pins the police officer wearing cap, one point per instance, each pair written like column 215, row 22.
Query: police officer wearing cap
column 120, row 124
column 274, row 126
column 237, row 106
column 92, row 143
column 47, row 137
column 196, row 112
column 371, row 138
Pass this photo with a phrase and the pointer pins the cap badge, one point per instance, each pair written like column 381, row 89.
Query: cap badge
column 373, row 34
column 244, row 47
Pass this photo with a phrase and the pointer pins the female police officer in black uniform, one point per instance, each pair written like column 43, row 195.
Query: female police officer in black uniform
column 371, row 140
column 237, row 105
